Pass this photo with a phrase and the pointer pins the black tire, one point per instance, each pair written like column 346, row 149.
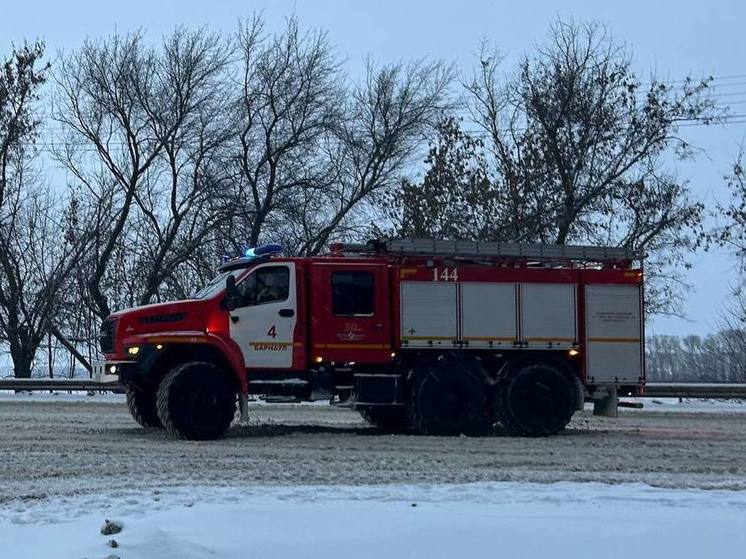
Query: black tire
column 391, row 419
column 142, row 406
column 197, row 401
column 537, row 400
column 449, row 399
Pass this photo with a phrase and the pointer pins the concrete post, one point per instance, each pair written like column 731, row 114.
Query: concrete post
column 608, row 405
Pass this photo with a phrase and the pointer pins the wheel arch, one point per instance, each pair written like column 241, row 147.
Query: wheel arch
column 176, row 354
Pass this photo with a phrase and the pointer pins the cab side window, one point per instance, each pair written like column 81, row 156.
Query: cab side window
column 352, row 293
column 270, row 284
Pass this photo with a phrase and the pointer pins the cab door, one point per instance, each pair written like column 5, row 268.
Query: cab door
column 350, row 312
column 264, row 321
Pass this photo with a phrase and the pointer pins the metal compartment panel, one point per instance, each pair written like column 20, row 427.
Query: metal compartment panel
column 488, row 314
column 613, row 334
column 548, row 315
column 428, row 313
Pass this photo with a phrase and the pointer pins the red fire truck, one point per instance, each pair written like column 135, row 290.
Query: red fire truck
column 420, row 336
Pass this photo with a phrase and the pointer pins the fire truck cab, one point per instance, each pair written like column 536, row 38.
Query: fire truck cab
column 420, row 336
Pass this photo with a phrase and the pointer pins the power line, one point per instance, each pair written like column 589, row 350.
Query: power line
column 728, row 123
column 713, row 81
column 86, row 147
column 732, row 76
column 727, row 94
column 683, row 123
column 57, row 130
column 734, row 84
column 697, row 80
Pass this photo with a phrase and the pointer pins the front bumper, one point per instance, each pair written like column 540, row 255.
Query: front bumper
column 109, row 371
column 134, row 371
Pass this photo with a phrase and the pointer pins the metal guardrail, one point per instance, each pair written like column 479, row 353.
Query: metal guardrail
column 694, row 390
column 652, row 389
column 44, row 384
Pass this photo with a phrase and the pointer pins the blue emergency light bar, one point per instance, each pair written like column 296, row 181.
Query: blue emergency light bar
column 250, row 256
column 264, row 250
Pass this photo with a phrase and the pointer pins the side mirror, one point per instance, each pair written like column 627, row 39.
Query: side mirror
column 230, row 301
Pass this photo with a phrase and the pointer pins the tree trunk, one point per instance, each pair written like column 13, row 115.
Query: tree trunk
column 22, row 361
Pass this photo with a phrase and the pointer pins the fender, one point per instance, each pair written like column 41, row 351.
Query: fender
column 228, row 348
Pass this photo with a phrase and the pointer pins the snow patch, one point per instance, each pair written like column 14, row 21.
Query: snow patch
column 61, row 396
column 472, row 520
column 687, row 405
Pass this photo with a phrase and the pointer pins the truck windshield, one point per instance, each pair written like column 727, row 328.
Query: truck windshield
column 215, row 285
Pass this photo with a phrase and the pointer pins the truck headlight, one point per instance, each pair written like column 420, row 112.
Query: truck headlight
column 134, row 350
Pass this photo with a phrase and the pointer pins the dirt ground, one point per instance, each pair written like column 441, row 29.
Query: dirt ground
column 58, row 448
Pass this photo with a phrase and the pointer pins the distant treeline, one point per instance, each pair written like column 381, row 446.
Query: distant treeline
column 719, row 357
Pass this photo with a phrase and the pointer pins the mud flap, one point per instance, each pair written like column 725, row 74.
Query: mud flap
column 579, row 395
column 243, row 406
column 378, row 389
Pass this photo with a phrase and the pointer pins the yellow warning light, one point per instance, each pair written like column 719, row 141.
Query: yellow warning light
column 319, row 359
column 134, row 350
column 573, row 352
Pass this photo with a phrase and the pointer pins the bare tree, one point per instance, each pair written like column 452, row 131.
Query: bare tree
column 288, row 99
column 38, row 257
column 311, row 148
column 732, row 335
column 183, row 205
column 145, row 128
column 386, row 121
column 38, row 248
column 454, row 199
column 732, row 233
column 20, row 80
column 109, row 145
column 578, row 141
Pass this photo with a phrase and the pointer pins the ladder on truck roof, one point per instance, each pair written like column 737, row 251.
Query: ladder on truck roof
column 491, row 249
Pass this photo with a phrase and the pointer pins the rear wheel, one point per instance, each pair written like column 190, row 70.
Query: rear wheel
column 392, row 419
column 449, row 398
column 142, row 406
column 537, row 400
column 197, row 400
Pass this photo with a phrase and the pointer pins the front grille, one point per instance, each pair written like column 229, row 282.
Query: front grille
column 106, row 335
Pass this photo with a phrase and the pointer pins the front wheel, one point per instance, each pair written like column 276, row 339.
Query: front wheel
column 197, row 400
column 142, row 407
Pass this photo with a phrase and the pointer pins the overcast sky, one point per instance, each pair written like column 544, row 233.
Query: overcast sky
column 672, row 39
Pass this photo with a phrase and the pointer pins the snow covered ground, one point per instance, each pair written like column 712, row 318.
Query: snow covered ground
column 316, row 481
column 61, row 396
column 689, row 405
column 450, row 521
